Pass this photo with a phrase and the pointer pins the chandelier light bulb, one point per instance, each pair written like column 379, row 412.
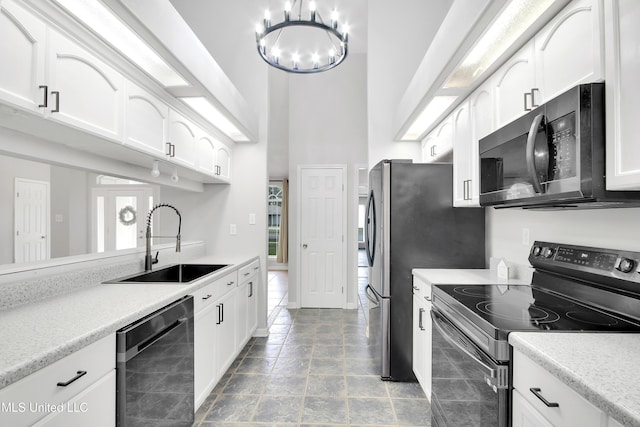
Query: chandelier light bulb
column 332, row 56
column 267, row 18
column 315, row 58
column 259, row 28
column 276, row 55
column 295, row 58
column 334, row 19
column 312, row 10
column 287, row 10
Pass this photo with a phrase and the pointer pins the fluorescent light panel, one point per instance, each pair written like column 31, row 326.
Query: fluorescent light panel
column 505, row 29
column 215, row 117
column 431, row 112
column 103, row 22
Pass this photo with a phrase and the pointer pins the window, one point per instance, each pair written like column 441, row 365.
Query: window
column 274, row 209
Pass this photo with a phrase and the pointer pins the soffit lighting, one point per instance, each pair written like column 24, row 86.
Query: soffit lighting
column 103, row 22
column 302, row 43
column 431, row 112
column 505, row 29
column 215, row 117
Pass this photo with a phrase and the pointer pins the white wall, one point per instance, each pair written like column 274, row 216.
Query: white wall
column 70, row 200
column 606, row 228
column 327, row 125
column 399, row 35
column 278, row 156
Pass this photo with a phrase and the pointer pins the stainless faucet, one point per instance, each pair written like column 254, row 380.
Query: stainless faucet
column 148, row 260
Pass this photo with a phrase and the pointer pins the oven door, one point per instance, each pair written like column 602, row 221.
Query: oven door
column 468, row 387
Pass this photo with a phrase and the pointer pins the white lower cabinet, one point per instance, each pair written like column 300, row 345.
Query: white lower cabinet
column 204, row 357
column 70, row 392
column 541, row 399
column 422, row 336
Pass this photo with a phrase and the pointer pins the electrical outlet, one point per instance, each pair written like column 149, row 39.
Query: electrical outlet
column 252, row 219
column 233, row 230
column 525, row 236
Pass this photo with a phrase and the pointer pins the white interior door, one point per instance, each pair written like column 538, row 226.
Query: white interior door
column 119, row 217
column 322, row 230
column 31, row 220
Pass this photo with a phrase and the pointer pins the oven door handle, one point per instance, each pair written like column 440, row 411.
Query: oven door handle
column 461, row 342
column 531, row 155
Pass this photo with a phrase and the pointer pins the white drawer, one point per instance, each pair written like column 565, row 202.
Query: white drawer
column 248, row 271
column 572, row 409
column 203, row 297
column 33, row 397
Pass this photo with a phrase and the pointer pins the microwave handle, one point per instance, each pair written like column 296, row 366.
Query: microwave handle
column 531, row 145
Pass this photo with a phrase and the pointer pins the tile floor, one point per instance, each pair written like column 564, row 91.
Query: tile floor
column 314, row 369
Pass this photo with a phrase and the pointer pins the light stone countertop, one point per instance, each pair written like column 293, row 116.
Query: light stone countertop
column 37, row 334
column 601, row 367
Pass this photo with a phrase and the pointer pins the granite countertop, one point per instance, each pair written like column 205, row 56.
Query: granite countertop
column 468, row 276
column 37, row 334
column 601, row 367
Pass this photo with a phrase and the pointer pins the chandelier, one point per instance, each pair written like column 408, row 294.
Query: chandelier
column 302, row 45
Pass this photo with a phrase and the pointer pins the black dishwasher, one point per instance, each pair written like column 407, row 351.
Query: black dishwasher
column 154, row 370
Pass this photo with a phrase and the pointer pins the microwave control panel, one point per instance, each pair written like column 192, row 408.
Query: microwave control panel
column 563, row 160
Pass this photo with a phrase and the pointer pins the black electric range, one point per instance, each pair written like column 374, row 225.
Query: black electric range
column 573, row 289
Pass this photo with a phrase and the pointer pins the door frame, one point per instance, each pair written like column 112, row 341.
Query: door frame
column 345, row 214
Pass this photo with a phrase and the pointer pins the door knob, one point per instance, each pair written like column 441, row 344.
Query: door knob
column 304, row 246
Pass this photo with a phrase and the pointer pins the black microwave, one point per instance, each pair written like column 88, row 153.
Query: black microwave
column 552, row 157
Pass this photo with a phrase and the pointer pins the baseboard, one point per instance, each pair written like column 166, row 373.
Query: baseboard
column 352, row 306
column 261, row 332
column 293, row 305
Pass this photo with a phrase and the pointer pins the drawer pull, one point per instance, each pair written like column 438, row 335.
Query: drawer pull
column 255, row 268
column 230, row 283
column 246, row 274
column 79, row 374
column 207, row 297
column 536, row 393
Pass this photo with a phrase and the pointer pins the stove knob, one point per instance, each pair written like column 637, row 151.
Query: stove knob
column 626, row 265
column 547, row 252
column 536, row 250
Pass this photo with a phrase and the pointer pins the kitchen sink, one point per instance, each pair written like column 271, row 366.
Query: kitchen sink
column 179, row 273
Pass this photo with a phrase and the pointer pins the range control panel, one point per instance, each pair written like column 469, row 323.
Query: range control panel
column 608, row 262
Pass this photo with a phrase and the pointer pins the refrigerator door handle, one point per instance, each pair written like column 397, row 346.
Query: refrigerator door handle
column 370, row 243
column 374, row 299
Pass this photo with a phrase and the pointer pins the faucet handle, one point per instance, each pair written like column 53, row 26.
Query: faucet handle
column 155, row 260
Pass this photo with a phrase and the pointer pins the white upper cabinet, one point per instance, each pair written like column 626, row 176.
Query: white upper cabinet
column 569, row 49
column 181, row 146
column 463, row 148
column 23, row 56
column 207, row 147
column 223, row 162
column 622, row 89
column 146, row 120
column 438, row 145
column 84, row 92
column 513, row 84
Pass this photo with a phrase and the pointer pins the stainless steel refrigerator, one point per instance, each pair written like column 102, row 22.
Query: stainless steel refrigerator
column 411, row 223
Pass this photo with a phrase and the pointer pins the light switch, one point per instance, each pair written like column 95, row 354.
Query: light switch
column 233, row 230
column 59, row 218
column 252, row 219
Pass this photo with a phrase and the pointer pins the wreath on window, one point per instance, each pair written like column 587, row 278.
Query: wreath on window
column 127, row 215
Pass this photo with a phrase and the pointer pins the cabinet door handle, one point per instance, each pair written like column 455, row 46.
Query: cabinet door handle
column 173, row 150
column 415, row 288
column 207, row 297
column 168, row 153
column 533, row 97
column 420, row 319
column 250, row 289
column 536, row 393
column 428, row 298
column 57, row 94
column 526, row 95
column 217, row 170
column 66, row 383
column 219, row 314
column 45, row 100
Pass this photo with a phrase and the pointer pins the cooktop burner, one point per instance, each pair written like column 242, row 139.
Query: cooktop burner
column 534, row 313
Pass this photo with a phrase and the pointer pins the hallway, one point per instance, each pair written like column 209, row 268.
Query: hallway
column 314, row 369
